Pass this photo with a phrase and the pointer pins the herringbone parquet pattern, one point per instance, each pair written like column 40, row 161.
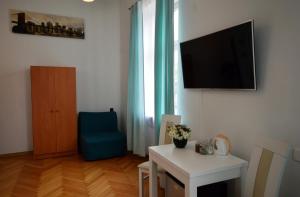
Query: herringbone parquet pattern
column 22, row 176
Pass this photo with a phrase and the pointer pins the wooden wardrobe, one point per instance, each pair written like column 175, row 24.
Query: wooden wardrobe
column 54, row 115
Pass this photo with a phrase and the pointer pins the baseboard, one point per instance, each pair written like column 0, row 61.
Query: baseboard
column 51, row 155
column 16, row 154
column 44, row 156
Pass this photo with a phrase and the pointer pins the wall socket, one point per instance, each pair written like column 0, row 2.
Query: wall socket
column 296, row 154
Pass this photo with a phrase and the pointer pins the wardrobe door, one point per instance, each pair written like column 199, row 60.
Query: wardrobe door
column 65, row 109
column 43, row 115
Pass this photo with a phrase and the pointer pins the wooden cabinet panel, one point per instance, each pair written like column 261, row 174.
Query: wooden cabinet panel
column 54, row 115
column 65, row 106
column 42, row 91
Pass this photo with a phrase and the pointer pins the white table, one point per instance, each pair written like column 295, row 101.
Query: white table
column 193, row 169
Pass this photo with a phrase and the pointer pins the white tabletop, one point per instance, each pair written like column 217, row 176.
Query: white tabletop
column 193, row 164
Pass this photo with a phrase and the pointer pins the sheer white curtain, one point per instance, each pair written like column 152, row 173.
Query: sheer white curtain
column 149, row 33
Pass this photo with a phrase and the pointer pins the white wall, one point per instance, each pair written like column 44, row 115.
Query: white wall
column 274, row 109
column 97, row 59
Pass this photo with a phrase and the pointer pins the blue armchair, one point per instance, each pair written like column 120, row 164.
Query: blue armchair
column 99, row 137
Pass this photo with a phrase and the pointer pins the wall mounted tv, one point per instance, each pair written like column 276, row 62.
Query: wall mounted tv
column 221, row 60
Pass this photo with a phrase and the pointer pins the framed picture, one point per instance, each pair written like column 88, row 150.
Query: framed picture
column 25, row 22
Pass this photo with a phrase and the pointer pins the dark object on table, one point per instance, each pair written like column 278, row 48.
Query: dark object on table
column 197, row 148
column 99, row 136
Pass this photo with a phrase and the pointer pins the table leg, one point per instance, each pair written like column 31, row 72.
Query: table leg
column 190, row 189
column 153, row 179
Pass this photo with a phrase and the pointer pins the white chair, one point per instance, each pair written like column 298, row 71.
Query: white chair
column 163, row 139
column 266, row 168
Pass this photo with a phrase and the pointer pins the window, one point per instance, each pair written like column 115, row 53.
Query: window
column 149, row 42
column 149, row 36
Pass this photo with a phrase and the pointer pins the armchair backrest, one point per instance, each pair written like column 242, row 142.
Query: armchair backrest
column 90, row 122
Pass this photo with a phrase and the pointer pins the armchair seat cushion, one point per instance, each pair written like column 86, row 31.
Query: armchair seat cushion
column 103, row 136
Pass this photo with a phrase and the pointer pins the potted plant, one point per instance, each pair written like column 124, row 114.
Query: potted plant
column 180, row 134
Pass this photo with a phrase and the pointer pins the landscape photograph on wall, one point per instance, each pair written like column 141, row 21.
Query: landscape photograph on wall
column 25, row 22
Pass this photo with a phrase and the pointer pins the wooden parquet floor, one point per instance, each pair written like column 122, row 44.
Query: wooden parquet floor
column 22, row 176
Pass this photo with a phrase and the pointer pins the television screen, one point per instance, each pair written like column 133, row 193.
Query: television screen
column 222, row 60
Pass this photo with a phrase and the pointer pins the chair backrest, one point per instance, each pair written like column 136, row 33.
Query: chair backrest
column 90, row 122
column 266, row 168
column 166, row 120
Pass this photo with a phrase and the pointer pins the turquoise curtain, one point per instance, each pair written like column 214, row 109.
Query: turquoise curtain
column 135, row 105
column 164, row 58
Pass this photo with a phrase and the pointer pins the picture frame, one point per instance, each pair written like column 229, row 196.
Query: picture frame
column 34, row 23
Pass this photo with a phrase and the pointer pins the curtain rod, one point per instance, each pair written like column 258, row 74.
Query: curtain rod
column 133, row 4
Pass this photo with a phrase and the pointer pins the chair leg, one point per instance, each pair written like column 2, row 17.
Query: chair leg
column 141, row 183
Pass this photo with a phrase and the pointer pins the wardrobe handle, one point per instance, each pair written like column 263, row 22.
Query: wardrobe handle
column 51, row 111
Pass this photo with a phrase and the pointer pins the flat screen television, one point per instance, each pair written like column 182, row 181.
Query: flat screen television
column 221, row 60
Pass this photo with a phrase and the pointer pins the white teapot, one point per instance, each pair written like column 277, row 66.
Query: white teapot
column 221, row 145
